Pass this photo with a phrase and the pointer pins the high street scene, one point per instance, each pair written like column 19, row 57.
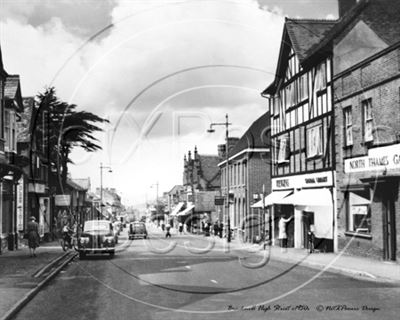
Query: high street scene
column 200, row 159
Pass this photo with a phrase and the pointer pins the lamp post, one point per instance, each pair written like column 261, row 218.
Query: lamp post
column 101, row 184
column 155, row 206
column 226, row 124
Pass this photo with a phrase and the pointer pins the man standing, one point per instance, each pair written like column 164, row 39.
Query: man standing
column 282, row 231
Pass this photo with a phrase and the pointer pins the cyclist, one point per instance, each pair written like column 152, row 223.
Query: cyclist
column 66, row 235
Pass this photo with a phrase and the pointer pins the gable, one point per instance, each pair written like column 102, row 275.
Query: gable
column 358, row 44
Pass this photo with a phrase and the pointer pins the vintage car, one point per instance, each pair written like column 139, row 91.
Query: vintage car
column 97, row 237
column 137, row 230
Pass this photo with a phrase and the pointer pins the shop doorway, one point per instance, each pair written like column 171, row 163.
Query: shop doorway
column 389, row 223
column 308, row 220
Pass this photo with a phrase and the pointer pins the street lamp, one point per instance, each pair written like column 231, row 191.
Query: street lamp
column 210, row 130
column 101, row 185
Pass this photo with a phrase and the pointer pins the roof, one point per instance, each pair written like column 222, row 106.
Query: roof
column 12, row 90
column 209, row 168
column 303, row 35
column 176, row 188
column 24, row 126
column 381, row 16
column 83, row 183
column 306, row 34
column 254, row 137
column 74, row 185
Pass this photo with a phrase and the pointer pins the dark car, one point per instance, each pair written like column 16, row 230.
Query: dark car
column 97, row 237
column 137, row 230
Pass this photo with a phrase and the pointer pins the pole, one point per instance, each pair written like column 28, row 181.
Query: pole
column 227, row 176
column 101, row 190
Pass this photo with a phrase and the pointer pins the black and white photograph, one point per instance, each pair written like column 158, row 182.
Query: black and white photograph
column 199, row 159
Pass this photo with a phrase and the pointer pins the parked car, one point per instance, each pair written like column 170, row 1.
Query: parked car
column 137, row 230
column 97, row 237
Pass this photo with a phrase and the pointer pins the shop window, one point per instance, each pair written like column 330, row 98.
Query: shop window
column 367, row 120
column 359, row 212
column 314, row 141
column 348, row 126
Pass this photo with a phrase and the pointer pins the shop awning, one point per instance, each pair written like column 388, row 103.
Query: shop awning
column 309, row 197
column 186, row 211
column 356, row 200
column 177, row 208
column 272, row 198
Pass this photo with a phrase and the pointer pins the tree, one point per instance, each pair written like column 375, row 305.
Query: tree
column 65, row 129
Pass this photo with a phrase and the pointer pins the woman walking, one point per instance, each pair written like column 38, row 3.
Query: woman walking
column 33, row 236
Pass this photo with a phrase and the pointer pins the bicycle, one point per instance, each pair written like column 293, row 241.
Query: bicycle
column 67, row 241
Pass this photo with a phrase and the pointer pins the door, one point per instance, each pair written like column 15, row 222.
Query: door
column 389, row 224
column 308, row 220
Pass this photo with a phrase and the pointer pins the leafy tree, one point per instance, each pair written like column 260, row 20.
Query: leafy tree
column 65, row 129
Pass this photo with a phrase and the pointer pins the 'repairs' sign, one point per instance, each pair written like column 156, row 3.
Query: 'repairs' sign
column 320, row 179
column 377, row 159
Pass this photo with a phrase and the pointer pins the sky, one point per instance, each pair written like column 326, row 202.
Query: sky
column 159, row 71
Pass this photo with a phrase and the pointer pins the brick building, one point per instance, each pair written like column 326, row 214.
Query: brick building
column 249, row 171
column 366, row 75
column 201, row 181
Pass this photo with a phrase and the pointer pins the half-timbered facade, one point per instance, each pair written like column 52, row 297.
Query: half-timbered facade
column 302, row 133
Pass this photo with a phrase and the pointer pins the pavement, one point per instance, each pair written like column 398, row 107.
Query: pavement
column 21, row 276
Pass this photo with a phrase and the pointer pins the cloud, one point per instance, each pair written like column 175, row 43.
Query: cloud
column 193, row 61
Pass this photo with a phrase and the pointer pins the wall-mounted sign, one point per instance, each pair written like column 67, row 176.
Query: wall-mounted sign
column 62, row 200
column 36, row 187
column 20, row 205
column 377, row 159
column 320, row 179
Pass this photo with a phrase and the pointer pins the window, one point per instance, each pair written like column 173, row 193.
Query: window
column 283, row 153
column 303, row 87
column 314, row 141
column 320, row 77
column 367, row 120
column 358, row 211
column 348, row 126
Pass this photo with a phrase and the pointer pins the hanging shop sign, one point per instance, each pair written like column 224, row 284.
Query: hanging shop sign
column 377, row 159
column 36, row 187
column 319, row 179
column 62, row 200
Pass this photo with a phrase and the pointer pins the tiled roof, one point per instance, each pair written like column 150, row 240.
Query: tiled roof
column 382, row 16
column 24, row 126
column 210, row 169
column 84, row 183
column 11, row 86
column 255, row 136
column 305, row 34
column 176, row 188
column 74, row 185
column 12, row 90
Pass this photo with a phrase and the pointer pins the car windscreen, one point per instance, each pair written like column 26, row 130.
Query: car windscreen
column 96, row 226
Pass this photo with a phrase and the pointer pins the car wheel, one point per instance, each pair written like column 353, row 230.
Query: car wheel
column 112, row 254
column 82, row 255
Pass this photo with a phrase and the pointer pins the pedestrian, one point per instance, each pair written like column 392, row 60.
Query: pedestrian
column 33, row 236
column 220, row 229
column 180, row 227
column 282, row 231
column 168, row 228
column 311, row 238
column 216, row 228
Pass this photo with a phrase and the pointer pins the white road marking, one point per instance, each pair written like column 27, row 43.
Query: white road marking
column 188, row 267
column 214, row 281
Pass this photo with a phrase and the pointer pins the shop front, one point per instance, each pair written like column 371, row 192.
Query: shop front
column 370, row 206
column 307, row 200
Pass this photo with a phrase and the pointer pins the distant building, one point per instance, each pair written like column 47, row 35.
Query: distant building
column 201, row 180
column 249, row 173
